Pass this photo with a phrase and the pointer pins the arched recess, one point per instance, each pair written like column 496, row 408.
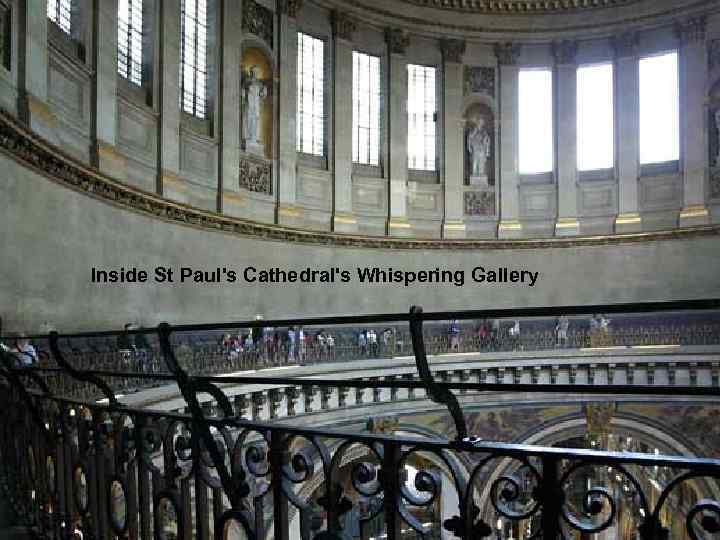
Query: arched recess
column 713, row 112
column 480, row 120
column 257, row 56
column 556, row 432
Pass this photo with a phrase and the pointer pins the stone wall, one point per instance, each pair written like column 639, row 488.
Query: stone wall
column 52, row 236
column 138, row 135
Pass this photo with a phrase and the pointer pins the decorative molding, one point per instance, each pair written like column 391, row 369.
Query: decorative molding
column 343, row 26
column 713, row 54
column 397, row 40
column 519, row 6
column 479, row 203
column 453, row 50
column 479, row 80
column 507, row 53
column 29, row 150
column 258, row 20
column 691, row 30
column 565, row 52
column 290, row 7
column 255, row 174
column 625, row 44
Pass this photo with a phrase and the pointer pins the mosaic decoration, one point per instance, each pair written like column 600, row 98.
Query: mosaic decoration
column 479, row 80
column 258, row 20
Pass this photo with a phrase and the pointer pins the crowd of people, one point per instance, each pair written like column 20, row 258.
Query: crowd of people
column 265, row 346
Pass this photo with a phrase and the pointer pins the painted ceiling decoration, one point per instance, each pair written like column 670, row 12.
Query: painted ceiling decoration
column 518, row 6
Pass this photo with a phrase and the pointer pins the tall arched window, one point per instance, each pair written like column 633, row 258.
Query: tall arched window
column 366, row 109
column 659, row 109
column 595, row 115
column 311, row 95
column 60, row 12
column 422, row 112
column 193, row 57
column 536, row 121
column 130, row 21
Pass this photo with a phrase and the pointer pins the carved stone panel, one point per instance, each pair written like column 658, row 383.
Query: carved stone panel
column 479, row 80
column 258, row 20
column 256, row 175
column 479, row 203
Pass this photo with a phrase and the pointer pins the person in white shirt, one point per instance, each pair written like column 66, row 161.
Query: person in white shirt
column 23, row 351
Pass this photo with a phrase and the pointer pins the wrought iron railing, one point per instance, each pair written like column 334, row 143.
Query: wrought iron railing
column 102, row 469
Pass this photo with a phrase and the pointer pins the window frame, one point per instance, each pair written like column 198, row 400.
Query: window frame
column 323, row 72
column 199, row 108
column 652, row 168
column 551, row 137
column 425, row 171
column 379, row 108
column 65, row 24
column 601, row 171
column 133, row 72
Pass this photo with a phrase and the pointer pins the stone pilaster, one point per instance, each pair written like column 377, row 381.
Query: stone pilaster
column 397, row 42
column 507, row 56
column 229, row 121
column 170, row 88
column 108, row 160
column 566, row 82
column 628, row 129
column 33, row 105
column 693, row 128
column 343, row 28
column 287, row 212
column 453, row 223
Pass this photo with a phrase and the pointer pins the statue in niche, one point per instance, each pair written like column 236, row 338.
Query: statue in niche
column 255, row 92
column 478, row 148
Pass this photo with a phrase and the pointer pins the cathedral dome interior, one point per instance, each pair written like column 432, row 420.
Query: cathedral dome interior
column 470, row 248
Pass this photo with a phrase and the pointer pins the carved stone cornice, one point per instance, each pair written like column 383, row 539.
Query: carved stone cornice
column 29, row 150
column 397, row 40
column 452, row 50
column 507, row 53
column 565, row 52
column 691, row 30
column 518, row 6
column 343, row 26
column 625, row 45
column 290, row 7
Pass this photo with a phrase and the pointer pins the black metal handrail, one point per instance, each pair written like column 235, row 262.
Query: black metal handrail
column 99, row 468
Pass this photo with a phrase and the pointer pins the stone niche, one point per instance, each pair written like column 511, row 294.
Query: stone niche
column 479, row 145
column 256, row 103
column 714, row 138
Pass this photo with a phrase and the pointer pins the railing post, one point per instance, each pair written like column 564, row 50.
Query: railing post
column 278, row 456
column 391, row 488
column 552, row 499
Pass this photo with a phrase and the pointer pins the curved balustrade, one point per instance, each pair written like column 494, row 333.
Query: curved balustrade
column 107, row 470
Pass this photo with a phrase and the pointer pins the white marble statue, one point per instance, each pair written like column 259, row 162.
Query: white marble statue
column 255, row 93
column 478, row 147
